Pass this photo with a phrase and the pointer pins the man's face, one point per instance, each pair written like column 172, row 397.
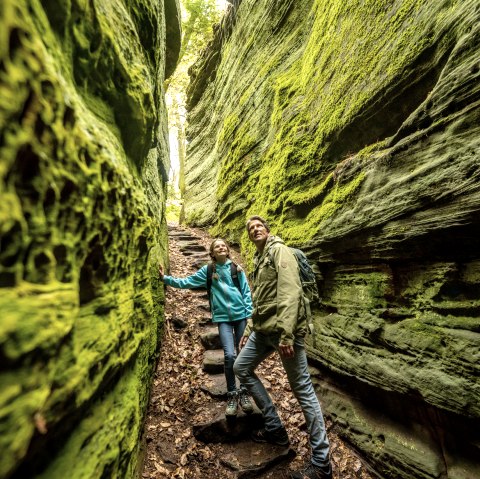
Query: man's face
column 257, row 232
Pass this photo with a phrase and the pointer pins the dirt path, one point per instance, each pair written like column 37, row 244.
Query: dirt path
column 179, row 402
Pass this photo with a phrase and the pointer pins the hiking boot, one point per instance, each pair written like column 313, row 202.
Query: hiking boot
column 232, row 404
column 313, row 472
column 245, row 402
column 278, row 436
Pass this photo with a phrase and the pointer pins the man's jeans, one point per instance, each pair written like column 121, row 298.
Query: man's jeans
column 230, row 334
column 258, row 348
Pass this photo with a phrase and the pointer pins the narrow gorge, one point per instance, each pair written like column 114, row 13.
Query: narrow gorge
column 352, row 126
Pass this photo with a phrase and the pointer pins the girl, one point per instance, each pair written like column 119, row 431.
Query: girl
column 231, row 306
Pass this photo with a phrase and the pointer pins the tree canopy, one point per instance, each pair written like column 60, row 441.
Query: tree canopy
column 198, row 18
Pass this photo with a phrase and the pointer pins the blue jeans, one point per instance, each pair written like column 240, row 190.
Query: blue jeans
column 230, row 333
column 257, row 349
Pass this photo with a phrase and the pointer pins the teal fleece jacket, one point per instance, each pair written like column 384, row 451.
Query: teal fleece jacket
column 228, row 303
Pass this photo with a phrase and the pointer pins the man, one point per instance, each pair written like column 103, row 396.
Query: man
column 277, row 325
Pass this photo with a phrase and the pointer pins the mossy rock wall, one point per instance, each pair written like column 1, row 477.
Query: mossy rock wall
column 83, row 162
column 354, row 128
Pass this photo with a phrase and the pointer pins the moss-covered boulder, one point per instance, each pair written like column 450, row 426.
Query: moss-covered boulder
column 354, row 127
column 83, row 161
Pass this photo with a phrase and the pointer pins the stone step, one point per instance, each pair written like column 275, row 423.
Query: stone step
column 178, row 322
column 213, row 361
column 191, row 246
column 179, row 231
column 201, row 294
column 220, row 429
column 204, row 307
column 250, row 459
column 205, row 320
column 181, row 237
column 187, row 252
column 210, row 338
column 215, row 386
column 239, row 453
column 199, row 261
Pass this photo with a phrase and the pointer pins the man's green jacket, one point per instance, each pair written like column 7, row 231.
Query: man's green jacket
column 277, row 293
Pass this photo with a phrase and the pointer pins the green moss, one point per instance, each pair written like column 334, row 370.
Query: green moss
column 229, row 125
column 299, row 230
column 246, row 96
column 107, row 451
column 235, row 163
column 30, row 323
column 317, row 95
column 23, row 394
column 194, row 217
column 82, row 225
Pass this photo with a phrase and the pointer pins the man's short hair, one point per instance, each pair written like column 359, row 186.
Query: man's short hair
column 258, row 218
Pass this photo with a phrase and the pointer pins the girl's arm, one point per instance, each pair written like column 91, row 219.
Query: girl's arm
column 196, row 280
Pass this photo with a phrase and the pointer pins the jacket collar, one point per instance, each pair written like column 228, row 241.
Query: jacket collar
column 257, row 258
column 218, row 265
column 271, row 240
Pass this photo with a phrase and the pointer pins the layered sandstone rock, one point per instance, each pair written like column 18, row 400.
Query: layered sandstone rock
column 354, row 127
column 83, row 162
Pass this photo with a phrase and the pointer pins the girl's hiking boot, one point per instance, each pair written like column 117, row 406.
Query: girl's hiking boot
column 245, row 402
column 313, row 472
column 232, row 404
column 278, row 436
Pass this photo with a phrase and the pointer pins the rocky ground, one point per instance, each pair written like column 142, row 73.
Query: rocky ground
column 181, row 404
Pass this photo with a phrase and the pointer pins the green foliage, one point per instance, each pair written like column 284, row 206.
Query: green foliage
column 173, row 204
column 198, row 17
column 197, row 26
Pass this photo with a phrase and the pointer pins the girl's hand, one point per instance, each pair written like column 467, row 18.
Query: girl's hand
column 160, row 272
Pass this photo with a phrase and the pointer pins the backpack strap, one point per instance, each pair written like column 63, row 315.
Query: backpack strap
column 234, row 269
column 209, row 278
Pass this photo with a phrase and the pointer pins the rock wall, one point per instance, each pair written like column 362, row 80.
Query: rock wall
column 83, row 162
column 354, row 128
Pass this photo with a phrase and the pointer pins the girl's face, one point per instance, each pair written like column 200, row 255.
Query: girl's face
column 220, row 251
